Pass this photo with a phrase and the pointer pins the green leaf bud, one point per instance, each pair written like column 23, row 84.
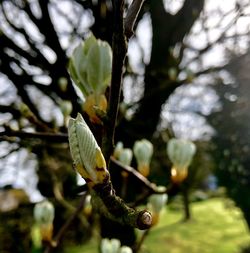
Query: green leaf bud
column 125, row 156
column 143, row 151
column 115, row 245
column 63, row 83
column 180, row 152
column 87, row 156
column 126, row 249
column 66, row 108
column 44, row 212
column 90, row 66
column 157, row 202
column 110, row 246
column 118, row 149
column 106, row 246
column 172, row 73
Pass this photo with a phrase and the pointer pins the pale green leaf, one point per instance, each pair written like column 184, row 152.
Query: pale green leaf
column 99, row 66
column 88, row 43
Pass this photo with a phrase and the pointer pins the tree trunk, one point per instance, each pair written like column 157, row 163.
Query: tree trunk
column 168, row 30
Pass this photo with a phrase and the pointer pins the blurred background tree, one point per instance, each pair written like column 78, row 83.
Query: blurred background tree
column 178, row 52
column 233, row 136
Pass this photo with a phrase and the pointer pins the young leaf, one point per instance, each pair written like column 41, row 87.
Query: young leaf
column 99, row 66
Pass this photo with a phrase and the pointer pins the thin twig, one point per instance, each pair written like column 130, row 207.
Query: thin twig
column 142, row 239
column 153, row 189
column 131, row 17
column 121, row 33
column 119, row 47
column 66, row 225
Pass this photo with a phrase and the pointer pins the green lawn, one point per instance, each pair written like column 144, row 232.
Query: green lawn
column 214, row 228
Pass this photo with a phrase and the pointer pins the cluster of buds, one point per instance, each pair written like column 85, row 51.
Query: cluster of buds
column 156, row 202
column 44, row 214
column 90, row 68
column 87, row 155
column 180, row 153
column 113, row 246
column 143, row 151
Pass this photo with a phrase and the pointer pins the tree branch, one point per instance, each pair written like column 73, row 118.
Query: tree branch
column 53, row 137
column 152, row 187
column 34, row 50
column 131, row 17
column 119, row 47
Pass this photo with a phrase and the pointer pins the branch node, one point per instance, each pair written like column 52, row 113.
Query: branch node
column 144, row 220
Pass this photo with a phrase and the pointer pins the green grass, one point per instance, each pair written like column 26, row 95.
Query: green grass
column 215, row 228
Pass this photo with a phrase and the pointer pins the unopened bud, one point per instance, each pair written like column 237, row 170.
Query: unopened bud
column 143, row 151
column 110, row 246
column 90, row 66
column 156, row 203
column 118, row 149
column 66, row 108
column 180, row 153
column 126, row 249
column 125, row 156
column 87, row 206
column 44, row 214
column 87, row 155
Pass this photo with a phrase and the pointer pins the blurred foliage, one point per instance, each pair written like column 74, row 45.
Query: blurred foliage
column 232, row 141
column 223, row 234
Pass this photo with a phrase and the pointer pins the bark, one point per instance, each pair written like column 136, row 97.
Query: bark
column 168, row 30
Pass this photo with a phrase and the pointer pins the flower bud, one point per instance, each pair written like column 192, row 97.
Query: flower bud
column 126, row 249
column 66, row 108
column 110, row 246
column 87, row 206
column 87, row 156
column 63, row 83
column 143, row 151
column 181, row 153
column 106, row 246
column 115, row 245
column 118, row 149
column 44, row 214
column 156, row 202
column 125, row 156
